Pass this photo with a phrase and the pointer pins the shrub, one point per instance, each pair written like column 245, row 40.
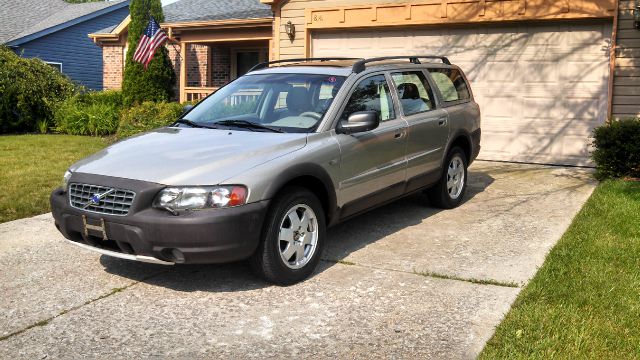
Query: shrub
column 157, row 81
column 148, row 116
column 30, row 92
column 617, row 149
column 92, row 113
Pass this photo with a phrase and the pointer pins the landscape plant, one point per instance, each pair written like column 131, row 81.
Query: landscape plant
column 157, row 81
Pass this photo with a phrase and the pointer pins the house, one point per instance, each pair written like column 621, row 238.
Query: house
column 56, row 32
column 218, row 39
column 545, row 72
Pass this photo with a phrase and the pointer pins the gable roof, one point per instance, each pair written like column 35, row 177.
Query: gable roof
column 26, row 20
column 210, row 10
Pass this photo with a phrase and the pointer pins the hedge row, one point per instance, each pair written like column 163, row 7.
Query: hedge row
column 31, row 91
column 102, row 113
column 617, row 149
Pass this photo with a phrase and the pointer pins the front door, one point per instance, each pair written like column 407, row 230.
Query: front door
column 244, row 59
column 373, row 164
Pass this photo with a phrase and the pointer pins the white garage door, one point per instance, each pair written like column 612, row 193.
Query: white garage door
column 541, row 88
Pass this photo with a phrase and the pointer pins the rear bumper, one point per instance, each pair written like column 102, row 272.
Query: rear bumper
column 152, row 235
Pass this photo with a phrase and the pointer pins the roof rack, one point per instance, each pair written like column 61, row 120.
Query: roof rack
column 267, row 63
column 360, row 66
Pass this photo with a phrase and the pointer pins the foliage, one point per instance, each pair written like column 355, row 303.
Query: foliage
column 92, row 113
column 148, row 116
column 30, row 92
column 33, row 165
column 617, row 152
column 157, row 82
column 583, row 303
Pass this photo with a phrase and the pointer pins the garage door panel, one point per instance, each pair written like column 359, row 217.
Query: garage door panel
column 541, row 88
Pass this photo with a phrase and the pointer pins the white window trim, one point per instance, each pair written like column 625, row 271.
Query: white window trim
column 55, row 63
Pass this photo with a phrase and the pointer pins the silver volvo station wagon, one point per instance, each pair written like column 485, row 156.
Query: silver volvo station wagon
column 259, row 169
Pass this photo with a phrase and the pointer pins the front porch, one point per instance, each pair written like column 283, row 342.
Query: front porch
column 208, row 56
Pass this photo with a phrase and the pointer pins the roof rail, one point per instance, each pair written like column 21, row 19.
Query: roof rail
column 267, row 63
column 360, row 66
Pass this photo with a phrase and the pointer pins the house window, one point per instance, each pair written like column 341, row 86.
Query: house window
column 55, row 65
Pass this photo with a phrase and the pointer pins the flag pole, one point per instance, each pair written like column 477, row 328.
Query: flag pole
column 171, row 41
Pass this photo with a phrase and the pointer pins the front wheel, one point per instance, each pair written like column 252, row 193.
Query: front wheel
column 451, row 187
column 293, row 238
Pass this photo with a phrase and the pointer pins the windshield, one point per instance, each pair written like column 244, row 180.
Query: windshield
column 285, row 102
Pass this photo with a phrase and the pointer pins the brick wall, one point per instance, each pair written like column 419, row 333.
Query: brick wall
column 198, row 65
column 113, row 66
column 220, row 66
column 206, row 65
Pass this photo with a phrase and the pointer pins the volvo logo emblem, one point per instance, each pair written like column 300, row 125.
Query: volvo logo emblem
column 96, row 198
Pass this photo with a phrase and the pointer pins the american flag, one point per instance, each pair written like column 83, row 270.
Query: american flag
column 152, row 38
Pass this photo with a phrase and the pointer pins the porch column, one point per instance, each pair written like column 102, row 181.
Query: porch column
column 183, row 71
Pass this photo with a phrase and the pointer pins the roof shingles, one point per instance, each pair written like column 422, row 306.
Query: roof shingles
column 209, row 10
column 22, row 18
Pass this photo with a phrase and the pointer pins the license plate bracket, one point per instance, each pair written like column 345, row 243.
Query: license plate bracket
column 99, row 228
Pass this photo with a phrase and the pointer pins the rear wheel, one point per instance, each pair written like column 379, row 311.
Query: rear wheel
column 450, row 189
column 293, row 238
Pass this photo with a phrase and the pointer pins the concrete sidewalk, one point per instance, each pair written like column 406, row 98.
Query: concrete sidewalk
column 398, row 282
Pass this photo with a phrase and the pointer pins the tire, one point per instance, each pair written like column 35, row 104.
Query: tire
column 452, row 186
column 295, row 257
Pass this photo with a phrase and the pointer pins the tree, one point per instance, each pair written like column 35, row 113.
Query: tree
column 157, row 82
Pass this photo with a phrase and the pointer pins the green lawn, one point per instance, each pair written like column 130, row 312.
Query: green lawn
column 585, row 300
column 31, row 166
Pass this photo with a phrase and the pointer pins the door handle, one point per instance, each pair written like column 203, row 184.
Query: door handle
column 399, row 135
column 442, row 122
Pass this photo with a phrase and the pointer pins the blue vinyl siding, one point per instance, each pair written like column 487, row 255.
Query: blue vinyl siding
column 81, row 59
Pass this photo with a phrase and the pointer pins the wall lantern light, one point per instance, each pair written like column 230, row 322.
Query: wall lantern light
column 636, row 14
column 290, row 29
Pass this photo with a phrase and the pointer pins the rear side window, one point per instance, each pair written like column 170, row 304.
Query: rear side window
column 451, row 84
column 414, row 92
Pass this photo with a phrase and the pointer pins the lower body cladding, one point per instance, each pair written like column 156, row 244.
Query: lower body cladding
column 156, row 236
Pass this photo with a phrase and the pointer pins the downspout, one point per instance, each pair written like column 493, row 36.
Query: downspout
column 612, row 61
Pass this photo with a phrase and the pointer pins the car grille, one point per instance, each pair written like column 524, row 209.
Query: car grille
column 112, row 201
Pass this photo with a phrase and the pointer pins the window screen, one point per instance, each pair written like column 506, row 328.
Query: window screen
column 451, row 84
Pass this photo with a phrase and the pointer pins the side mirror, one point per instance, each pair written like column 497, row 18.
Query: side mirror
column 187, row 108
column 357, row 122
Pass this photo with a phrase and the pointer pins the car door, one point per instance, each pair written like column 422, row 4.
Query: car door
column 372, row 163
column 428, row 127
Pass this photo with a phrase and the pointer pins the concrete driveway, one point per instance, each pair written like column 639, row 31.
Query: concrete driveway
column 403, row 281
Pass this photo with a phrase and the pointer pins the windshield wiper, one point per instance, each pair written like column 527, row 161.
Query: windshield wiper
column 248, row 125
column 194, row 124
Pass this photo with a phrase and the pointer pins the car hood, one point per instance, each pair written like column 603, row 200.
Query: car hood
column 189, row 156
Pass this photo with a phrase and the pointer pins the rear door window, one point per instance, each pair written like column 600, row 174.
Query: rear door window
column 371, row 94
column 414, row 92
column 451, row 84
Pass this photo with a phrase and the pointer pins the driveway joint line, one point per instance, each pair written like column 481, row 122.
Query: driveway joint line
column 46, row 321
column 434, row 275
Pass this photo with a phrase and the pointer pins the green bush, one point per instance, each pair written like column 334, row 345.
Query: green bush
column 92, row 113
column 617, row 149
column 30, row 91
column 147, row 116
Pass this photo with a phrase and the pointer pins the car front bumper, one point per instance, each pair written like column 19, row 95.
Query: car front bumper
column 153, row 235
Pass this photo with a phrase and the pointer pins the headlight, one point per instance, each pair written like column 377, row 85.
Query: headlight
column 198, row 198
column 65, row 180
